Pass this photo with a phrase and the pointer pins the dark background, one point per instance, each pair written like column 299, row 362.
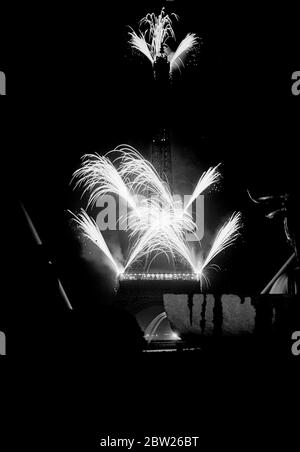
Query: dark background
column 74, row 86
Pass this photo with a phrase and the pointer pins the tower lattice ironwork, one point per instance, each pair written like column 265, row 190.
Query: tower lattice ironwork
column 161, row 156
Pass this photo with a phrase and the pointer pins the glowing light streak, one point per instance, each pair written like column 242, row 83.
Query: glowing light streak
column 208, row 178
column 99, row 176
column 152, row 42
column 157, row 224
column 186, row 45
column 224, row 238
column 91, row 230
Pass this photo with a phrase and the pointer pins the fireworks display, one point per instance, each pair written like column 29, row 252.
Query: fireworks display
column 153, row 36
column 156, row 223
column 91, row 230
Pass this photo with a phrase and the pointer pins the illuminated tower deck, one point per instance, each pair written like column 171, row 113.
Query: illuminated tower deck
column 138, row 291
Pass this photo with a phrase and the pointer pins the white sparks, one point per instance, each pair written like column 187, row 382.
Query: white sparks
column 208, row 178
column 99, row 176
column 157, row 224
column 224, row 238
column 139, row 43
column 153, row 42
column 91, row 230
column 186, row 45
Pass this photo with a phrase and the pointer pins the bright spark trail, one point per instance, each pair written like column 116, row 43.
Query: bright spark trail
column 156, row 223
column 152, row 42
column 91, row 230
column 224, row 238
column 99, row 176
column 187, row 44
column 209, row 177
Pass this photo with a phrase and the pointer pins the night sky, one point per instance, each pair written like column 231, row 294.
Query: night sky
column 76, row 87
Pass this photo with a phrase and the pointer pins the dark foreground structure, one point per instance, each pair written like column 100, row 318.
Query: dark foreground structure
column 204, row 319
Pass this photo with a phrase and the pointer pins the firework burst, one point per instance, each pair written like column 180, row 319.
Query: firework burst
column 99, row 176
column 208, row 178
column 153, row 36
column 177, row 58
column 156, row 223
column 90, row 230
column 224, row 238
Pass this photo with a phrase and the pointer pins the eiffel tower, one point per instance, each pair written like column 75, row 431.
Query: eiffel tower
column 161, row 156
